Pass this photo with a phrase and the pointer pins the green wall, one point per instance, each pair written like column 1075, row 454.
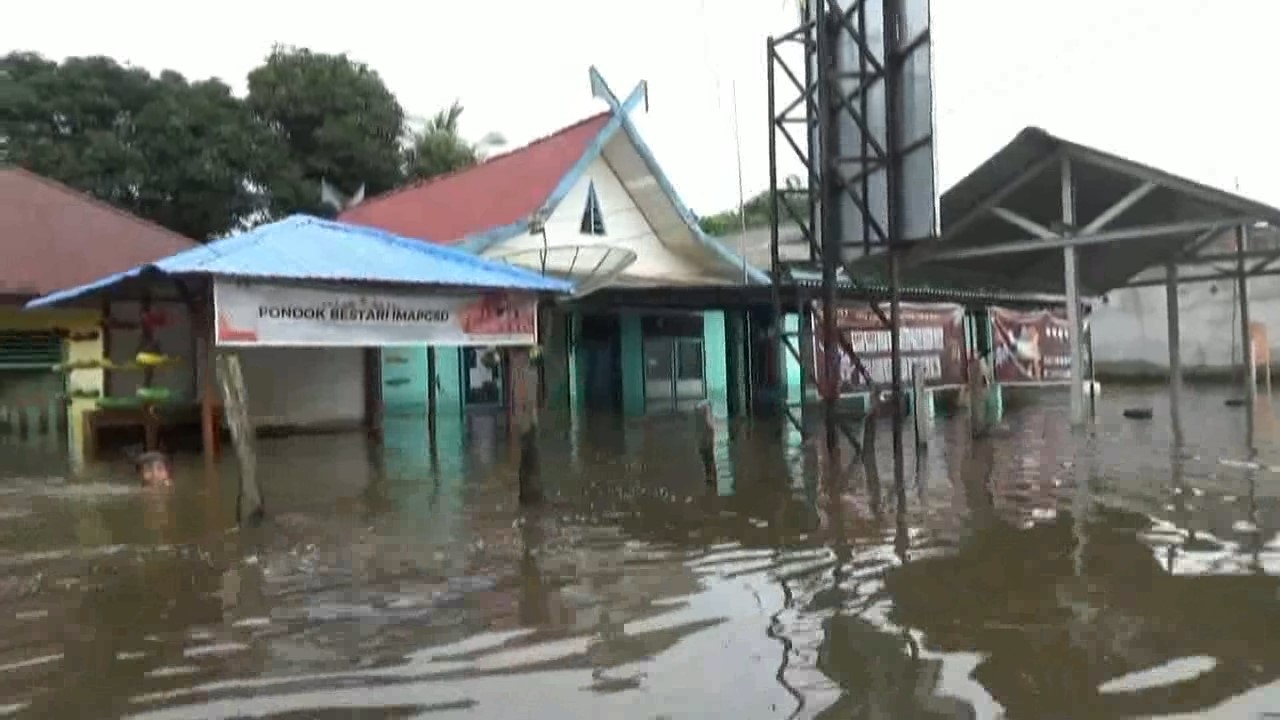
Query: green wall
column 632, row 365
column 450, row 392
column 715, row 360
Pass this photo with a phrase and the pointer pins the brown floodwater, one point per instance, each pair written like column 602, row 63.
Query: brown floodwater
column 1036, row 574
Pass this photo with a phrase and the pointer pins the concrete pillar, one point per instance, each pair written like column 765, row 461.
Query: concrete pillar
column 1175, row 351
column 632, row 346
column 1072, row 283
column 792, row 373
column 1246, row 347
column 715, row 360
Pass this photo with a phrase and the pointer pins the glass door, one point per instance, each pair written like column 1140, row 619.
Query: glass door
column 690, row 385
column 673, row 374
column 659, row 374
column 482, row 377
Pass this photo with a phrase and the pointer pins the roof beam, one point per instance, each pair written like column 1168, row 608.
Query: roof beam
column 1207, row 237
column 1106, row 216
column 1210, row 258
column 1203, row 193
column 1023, row 223
column 1210, row 277
column 1106, row 236
column 993, row 200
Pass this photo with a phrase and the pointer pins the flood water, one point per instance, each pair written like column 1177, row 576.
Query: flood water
column 1038, row 574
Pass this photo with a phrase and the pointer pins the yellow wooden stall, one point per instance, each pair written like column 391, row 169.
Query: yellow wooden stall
column 33, row 397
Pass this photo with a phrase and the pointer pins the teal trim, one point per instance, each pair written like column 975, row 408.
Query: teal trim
column 404, row 379
column 479, row 243
column 621, row 111
column 450, row 392
column 792, row 373
column 632, row 342
column 715, row 360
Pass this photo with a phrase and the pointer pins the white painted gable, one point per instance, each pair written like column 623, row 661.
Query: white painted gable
column 625, row 227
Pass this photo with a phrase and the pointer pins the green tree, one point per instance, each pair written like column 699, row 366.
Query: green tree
column 189, row 156
column 338, row 121
column 758, row 210
column 439, row 148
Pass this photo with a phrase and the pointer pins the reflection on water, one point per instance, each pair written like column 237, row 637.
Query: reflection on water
column 1033, row 574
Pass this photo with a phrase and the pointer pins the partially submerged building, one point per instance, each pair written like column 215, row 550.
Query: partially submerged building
column 589, row 202
column 52, row 237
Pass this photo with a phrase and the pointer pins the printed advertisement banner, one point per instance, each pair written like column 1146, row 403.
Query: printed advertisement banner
column 255, row 313
column 932, row 339
column 1031, row 346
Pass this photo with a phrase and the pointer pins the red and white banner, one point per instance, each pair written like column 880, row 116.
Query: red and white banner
column 1032, row 347
column 256, row 313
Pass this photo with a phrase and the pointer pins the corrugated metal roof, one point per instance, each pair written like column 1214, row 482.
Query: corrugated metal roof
column 52, row 236
column 501, row 190
column 308, row 248
column 871, row 276
column 1101, row 179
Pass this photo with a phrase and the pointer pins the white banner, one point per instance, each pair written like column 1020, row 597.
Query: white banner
column 257, row 313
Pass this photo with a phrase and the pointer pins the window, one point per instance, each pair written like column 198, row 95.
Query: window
column 29, row 350
column 592, row 220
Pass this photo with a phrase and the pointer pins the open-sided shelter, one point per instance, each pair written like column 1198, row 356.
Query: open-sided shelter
column 1048, row 215
column 303, row 282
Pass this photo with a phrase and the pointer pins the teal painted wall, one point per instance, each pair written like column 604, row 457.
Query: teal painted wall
column 404, row 379
column 715, row 360
column 450, row 395
column 632, row 365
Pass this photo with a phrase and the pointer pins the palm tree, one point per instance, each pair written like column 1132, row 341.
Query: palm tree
column 438, row 148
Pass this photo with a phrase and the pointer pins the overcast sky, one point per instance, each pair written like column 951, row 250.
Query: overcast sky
column 1189, row 85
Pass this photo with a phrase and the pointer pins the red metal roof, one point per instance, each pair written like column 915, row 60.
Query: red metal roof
column 496, row 192
column 53, row 237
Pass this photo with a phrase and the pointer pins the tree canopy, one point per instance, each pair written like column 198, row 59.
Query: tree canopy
column 189, row 156
column 196, row 158
column 439, row 148
column 337, row 120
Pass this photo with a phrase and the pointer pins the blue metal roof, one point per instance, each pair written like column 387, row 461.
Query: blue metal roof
column 302, row 247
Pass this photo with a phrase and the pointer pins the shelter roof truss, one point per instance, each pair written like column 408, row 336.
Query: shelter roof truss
column 1012, row 218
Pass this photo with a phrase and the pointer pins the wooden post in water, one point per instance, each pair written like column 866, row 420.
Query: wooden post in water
column 869, row 464
column 524, row 376
column 235, row 402
column 921, row 415
column 978, row 388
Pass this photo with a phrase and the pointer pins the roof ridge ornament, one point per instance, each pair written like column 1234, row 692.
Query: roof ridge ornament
column 600, row 89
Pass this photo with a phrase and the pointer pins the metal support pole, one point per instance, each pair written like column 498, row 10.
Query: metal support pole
column 895, row 106
column 1072, row 282
column 895, row 360
column 829, row 235
column 1175, row 352
column 1246, row 345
